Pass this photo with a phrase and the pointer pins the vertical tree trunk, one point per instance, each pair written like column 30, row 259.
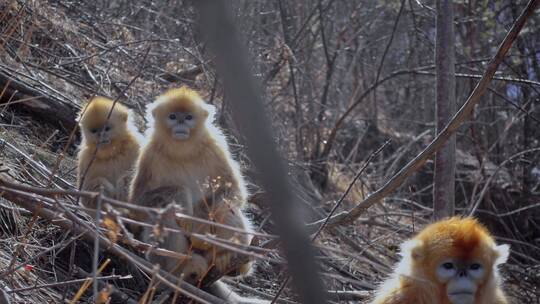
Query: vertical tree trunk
column 445, row 159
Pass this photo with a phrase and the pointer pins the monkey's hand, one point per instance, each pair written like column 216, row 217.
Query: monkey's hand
column 106, row 184
column 97, row 185
column 197, row 241
column 103, row 184
column 195, row 269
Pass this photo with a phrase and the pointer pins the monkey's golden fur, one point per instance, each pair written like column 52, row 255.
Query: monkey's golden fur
column 415, row 281
column 202, row 176
column 113, row 164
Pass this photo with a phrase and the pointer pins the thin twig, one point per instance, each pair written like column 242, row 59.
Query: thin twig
column 65, row 283
column 95, row 258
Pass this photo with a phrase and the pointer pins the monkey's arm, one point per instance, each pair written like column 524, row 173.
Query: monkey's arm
column 122, row 186
column 137, row 189
column 89, row 180
column 140, row 181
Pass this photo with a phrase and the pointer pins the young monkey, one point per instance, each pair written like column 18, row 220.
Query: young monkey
column 187, row 159
column 117, row 149
column 452, row 261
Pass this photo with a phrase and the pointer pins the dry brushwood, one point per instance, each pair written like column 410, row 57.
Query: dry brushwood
column 48, row 108
column 54, row 211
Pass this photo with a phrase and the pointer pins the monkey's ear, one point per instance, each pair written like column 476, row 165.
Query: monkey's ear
column 152, row 108
column 154, row 112
column 80, row 116
column 502, row 251
column 412, row 249
column 209, row 111
column 204, row 113
column 82, row 111
column 124, row 116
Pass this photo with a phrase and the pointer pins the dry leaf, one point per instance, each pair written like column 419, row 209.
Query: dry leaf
column 104, row 295
column 113, row 229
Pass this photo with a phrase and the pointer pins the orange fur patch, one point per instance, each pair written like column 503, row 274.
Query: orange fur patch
column 458, row 237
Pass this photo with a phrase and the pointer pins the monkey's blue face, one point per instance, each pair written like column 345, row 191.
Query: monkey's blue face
column 103, row 134
column 181, row 124
column 462, row 278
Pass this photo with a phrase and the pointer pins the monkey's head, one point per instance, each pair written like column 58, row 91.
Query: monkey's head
column 96, row 128
column 458, row 255
column 180, row 115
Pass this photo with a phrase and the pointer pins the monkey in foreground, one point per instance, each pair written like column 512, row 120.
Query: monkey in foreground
column 453, row 261
column 187, row 159
column 117, row 149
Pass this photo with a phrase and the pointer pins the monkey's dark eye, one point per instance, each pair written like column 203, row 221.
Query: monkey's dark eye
column 172, row 116
column 448, row 266
column 107, row 128
column 475, row 266
column 94, row 130
column 189, row 117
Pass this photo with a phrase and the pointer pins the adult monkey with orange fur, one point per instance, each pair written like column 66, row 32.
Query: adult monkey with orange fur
column 108, row 150
column 187, row 161
column 452, row 261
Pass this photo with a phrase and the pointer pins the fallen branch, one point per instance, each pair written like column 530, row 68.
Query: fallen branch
column 47, row 108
